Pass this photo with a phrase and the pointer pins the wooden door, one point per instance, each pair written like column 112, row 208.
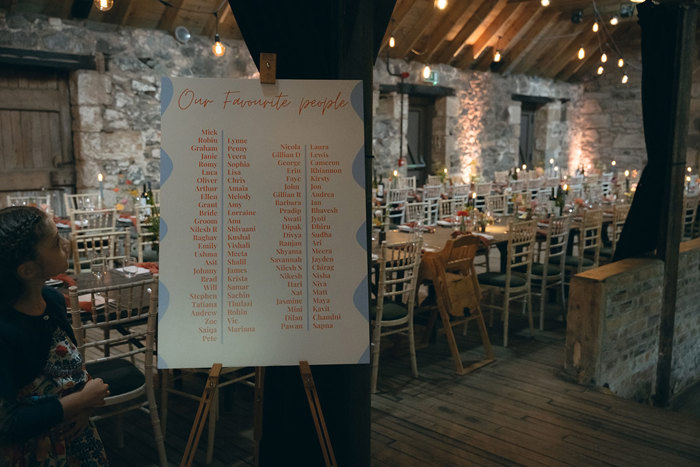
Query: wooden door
column 36, row 149
column 419, row 137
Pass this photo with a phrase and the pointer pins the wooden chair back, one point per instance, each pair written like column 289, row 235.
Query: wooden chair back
column 496, row 204
column 460, row 191
column 620, row 212
column 690, row 208
column 500, row 177
column 556, row 242
column 520, row 250
column 433, row 180
column 42, row 202
column 449, row 207
column 144, row 218
column 590, row 238
column 398, row 273
column 81, row 202
column 417, row 212
column 395, row 205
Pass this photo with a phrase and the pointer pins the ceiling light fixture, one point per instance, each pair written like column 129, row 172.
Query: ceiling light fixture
column 104, row 5
column 392, row 42
column 440, row 4
column 497, row 56
column 218, row 48
column 614, row 20
column 581, row 53
column 544, row 2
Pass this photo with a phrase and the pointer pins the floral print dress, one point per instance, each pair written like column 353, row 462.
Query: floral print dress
column 62, row 375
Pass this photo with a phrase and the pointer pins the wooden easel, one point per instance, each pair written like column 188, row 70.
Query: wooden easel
column 208, row 394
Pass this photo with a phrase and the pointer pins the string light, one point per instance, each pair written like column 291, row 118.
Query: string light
column 614, row 20
column 104, row 5
column 625, row 78
column 440, row 4
column 595, row 26
column 600, row 70
column 604, row 57
column 689, row 169
column 544, row 2
column 392, row 42
column 497, row 56
column 613, row 163
column 218, row 48
column 581, row 53
column 524, row 166
column 620, row 62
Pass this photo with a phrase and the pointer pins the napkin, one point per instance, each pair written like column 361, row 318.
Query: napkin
column 139, row 270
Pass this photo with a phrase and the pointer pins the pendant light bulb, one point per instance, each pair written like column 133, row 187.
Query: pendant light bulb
column 604, row 57
column 581, row 53
column 625, row 78
column 497, row 57
column 600, row 70
column 544, row 2
column 104, row 5
column 218, row 48
column 620, row 63
column 392, row 42
column 440, row 4
column 595, row 26
column 426, row 72
column 614, row 20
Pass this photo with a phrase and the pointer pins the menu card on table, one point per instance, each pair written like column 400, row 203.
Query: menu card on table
column 263, row 244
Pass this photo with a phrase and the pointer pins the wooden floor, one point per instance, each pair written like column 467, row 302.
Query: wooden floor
column 516, row 411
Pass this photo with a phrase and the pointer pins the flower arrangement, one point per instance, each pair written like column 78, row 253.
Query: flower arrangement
column 125, row 193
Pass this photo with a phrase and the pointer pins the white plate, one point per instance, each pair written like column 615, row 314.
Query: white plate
column 139, row 270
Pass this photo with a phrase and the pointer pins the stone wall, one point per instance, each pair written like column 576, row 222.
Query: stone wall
column 478, row 130
column 613, row 325
column 116, row 109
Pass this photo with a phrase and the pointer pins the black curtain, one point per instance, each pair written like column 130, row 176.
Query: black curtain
column 641, row 232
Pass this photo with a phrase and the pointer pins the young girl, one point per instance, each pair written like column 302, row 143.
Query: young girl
column 45, row 393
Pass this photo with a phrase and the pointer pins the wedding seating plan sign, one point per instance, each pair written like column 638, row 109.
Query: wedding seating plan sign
column 263, row 243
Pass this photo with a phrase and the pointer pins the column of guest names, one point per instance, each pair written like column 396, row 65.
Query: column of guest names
column 204, row 294
column 240, row 226
column 323, row 170
column 288, row 256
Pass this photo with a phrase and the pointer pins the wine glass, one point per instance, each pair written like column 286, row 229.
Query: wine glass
column 129, row 267
column 97, row 267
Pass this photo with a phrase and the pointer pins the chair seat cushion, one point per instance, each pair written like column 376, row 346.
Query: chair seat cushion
column 572, row 261
column 538, row 269
column 390, row 312
column 498, row 279
column 121, row 375
column 606, row 251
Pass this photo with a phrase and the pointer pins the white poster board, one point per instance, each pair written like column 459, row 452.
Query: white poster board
column 263, row 243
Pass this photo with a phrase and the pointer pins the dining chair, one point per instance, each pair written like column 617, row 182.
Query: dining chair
column 417, row 212
column 513, row 283
column 588, row 243
column 145, row 235
column 94, row 233
column 606, row 183
column 501, row 177
column 549, row 273
column 181, row 383
column 128, row 366
column 458, row 297
column 496, row 204
column 449, row 207
column 395, row 206
column 431, row 196
column 42, row 202
column 408, row 182
column 433, row 180
column 461, row 192
column 690, row 208
column 392, row 313
column 619, row 216
column 482, row 190
column 81, row 202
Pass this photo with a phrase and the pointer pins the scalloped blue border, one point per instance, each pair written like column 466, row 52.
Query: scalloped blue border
column 166, row 93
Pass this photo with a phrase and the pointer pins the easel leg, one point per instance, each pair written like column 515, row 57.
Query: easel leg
column 201, row 416
column 257, row 422
column 317, row 414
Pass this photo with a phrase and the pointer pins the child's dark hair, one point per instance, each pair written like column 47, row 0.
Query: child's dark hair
column 21, row 229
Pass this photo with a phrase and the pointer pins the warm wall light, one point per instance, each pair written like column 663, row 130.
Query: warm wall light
column 614, row 20
column 581, row 53
column 604, row 57
column 620, row 63
column 104, row 5
column 396, row 173
column 440, row 4
column 544, row 2
column 524, row 166
column 600, row 70
column 392, row 42
column 497, row 56
column 637, row 1
column 218, row 48
column 426, row 72
column 625, row 78
column 595, row 26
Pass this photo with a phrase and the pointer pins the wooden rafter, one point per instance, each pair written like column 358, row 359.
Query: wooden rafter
column 489, row 37
column 408, row 41
column 559, row 31
column 519, row 27
column 119, row 14
column 456, row 11
column 401, row 9
column 169, row 16
column 484, row 61
column 556, row 50
column 448, row 51
column 529, row 40
column 566, row 54
column 590, row 63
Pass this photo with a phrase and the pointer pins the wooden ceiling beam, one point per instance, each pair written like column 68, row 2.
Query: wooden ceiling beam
column 448, row 51
column 465, row 57
column 401, row 9
column 544, row 46
column 455, row 12
column 485, row 59
column 589, row 64
column 529, row 41
column 489, row 37
column 520, row 26
column 567, row 53
column 215, row 23
column 557, row 48
column 573, row 64
column 169, row 16
column 408, row 41
column 119, row 14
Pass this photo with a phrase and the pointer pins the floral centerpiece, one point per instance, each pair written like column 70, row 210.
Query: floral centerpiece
column 126, row 193
column 463, row 216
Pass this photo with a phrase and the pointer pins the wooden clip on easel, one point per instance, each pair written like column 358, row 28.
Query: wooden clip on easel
column 268, row 68
column 201, row 416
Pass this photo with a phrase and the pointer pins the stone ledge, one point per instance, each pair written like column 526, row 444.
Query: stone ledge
column 608, row 271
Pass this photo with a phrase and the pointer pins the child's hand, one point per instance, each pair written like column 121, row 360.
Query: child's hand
column 94, row 393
